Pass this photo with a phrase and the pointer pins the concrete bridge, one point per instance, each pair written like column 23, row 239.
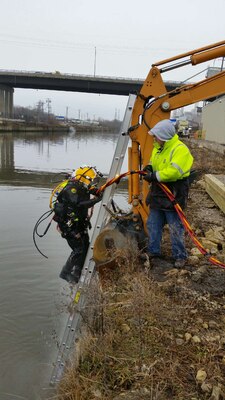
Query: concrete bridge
column 64, row 82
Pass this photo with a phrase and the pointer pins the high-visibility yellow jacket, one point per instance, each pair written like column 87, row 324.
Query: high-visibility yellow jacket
column 171, row 164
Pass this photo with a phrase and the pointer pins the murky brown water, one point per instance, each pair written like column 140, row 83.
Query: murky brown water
column 32, row 297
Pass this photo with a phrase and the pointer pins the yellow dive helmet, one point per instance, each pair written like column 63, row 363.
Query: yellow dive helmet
column 85, row 174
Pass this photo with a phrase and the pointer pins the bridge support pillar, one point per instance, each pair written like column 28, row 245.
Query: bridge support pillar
column 6, row 101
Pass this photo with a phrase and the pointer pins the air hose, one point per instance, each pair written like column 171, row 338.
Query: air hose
column 42, row 218
column 165, row 189
column 178, row 209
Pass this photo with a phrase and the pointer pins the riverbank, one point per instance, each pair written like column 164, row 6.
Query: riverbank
column 12, row 125
column 19, row 126
column 158, row 332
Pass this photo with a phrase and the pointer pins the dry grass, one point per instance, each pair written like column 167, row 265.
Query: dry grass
column 140, row 333
column 138, row 345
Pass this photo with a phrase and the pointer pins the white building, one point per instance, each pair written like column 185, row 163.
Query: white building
column 213, row 121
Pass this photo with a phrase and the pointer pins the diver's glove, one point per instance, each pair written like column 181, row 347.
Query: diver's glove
column 93, row 190
column 150, row 177
column 98, row 197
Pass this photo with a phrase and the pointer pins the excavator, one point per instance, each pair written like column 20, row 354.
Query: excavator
column 154, row 103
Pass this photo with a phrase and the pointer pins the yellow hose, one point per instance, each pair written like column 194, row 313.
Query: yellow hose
column 58, row 189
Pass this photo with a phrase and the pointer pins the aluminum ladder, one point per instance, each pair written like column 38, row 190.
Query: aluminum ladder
column 72, row 331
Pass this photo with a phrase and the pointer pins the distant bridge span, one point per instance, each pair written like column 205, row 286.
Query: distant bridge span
column 65, row 82
column 74, row 83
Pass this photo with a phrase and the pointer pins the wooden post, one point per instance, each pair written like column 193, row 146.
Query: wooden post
column 215, row 187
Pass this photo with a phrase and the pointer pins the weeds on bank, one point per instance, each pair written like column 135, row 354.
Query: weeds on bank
column 134, row 343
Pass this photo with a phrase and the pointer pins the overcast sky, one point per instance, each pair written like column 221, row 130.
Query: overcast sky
column 115, row 38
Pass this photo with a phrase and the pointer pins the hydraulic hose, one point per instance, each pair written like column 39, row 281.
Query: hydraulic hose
column 178, row 209
column 188, row 227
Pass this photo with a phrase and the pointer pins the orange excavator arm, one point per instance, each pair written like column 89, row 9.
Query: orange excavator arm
column 155, row 103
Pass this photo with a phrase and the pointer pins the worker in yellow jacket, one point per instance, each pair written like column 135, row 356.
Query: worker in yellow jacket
column 170, row 163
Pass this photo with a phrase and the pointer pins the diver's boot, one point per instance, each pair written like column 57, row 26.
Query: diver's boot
column 67, row 276
column 77, row 274
column 67, row 269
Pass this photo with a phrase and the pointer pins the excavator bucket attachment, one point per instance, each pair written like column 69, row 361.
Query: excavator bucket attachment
column 117, row 237
column 107, row 245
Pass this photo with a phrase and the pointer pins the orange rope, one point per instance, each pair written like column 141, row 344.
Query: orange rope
column 188, row 228
column 178, row 209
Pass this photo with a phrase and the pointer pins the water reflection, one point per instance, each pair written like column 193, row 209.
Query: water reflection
column 32, row 297
column 56, row 151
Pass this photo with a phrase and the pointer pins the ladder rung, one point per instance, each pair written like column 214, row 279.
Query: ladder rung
column 71, row 333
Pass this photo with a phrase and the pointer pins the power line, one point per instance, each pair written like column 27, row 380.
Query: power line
column 43, row 43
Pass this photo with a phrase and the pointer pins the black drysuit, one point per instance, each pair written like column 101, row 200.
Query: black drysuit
column 71, row 214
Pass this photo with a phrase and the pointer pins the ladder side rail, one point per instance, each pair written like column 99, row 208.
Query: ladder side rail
column 120, row 153
column 65, row 348
column 115, row 169
column 74, row 319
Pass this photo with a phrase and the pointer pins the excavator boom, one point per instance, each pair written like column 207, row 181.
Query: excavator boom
column 155, row 103
column 152, row 104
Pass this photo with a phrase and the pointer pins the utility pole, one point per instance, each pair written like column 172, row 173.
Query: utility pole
column 95, row 62
column 48, row 101
column 40, row 110
column 67, row 108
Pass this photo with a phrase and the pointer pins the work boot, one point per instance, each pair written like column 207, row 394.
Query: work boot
column 143, row 257
column 180, row 263
column 153, row 256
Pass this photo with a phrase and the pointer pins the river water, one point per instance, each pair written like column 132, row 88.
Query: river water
column 33, row 299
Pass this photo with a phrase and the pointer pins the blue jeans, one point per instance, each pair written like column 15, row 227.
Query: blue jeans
column 155, row 223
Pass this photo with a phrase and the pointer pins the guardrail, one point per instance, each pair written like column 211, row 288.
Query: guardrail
column 58, row 74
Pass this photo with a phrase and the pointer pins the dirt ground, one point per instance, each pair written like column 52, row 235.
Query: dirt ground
column 205, row 217
column 200, row 283
column 159, row 333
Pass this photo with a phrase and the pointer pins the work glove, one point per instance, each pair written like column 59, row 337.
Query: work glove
column 148, row 168
column 150, row 177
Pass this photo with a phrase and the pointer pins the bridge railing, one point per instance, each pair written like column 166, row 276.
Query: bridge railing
column 58, row 74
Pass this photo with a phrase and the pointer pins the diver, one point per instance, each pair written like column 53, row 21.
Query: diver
column 71, row 212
